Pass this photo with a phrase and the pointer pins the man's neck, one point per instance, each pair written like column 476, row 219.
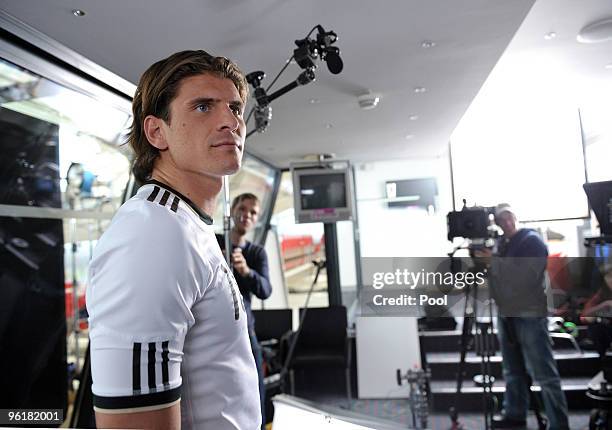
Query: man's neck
column 202, row 190
column 237, row 238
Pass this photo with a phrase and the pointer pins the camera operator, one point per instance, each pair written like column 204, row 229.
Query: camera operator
column 517, row 285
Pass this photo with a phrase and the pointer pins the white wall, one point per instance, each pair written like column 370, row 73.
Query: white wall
column 402, row 232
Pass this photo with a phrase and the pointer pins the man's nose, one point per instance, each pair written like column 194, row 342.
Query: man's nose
column 228, row 119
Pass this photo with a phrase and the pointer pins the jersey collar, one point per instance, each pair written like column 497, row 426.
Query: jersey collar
column 203, row 216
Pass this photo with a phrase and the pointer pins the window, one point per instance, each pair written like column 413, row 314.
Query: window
column 300, row 244
column 63, row 173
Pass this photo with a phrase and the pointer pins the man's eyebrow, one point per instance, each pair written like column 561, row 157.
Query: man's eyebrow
column 202, row 101
column 211, row 100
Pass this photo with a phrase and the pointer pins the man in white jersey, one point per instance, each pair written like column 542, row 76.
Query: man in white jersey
column 169, row 339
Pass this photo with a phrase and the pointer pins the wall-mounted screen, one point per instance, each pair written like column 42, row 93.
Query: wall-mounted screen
column 322, row 195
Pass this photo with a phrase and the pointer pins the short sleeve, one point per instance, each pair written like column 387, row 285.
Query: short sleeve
column 143, row 282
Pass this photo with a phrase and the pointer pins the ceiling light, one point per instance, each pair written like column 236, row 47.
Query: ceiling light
column 608, row 66
column 413, row 117
column 368, row 101
column 78, row 12
column 328, row 125
column 419, row 90
column 409, row 136
column 600, row 31
column 314, row 101
column 550, row 35
column 428, row 44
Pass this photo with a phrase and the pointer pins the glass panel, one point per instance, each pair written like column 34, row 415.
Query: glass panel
column 597, row 131
column 300, row 244
column 55, row 139
column 254, row 177
column 62, row 177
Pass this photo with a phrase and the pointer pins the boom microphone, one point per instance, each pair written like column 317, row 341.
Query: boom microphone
column 333, row 60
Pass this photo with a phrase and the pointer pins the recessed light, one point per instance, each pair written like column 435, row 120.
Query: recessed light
column 314, row 101
column 413, row 117
column 608, row 66
column 596, row 32
column 550, row 35
column 419, row 90
column 329, row 125
column 428, row 44
column 409, row 136
column 78, row 12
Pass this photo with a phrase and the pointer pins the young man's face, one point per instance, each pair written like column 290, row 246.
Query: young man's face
column 205, row 134
column 245, row 215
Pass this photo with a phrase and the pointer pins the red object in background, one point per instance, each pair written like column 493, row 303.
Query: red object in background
column 558, row 272
column 70, row 305
column 296, row 250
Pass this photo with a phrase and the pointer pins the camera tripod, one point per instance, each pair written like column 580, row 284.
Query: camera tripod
column 484, row 340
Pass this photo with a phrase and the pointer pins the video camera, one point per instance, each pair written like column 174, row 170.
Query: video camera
column 471, row 223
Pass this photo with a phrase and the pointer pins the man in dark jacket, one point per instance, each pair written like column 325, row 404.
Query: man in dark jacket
column 517, row 285
column 250, row 265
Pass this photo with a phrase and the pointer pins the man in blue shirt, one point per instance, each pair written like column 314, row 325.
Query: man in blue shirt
column 517, row 285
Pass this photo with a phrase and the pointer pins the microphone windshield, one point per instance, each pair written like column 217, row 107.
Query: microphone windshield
column 334, row 62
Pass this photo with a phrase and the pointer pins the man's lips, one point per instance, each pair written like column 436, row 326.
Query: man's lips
column 227, row 143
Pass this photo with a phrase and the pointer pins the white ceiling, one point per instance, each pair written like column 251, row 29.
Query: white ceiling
column 380, row 44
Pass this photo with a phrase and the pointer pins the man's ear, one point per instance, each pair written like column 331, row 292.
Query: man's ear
column 152, row 127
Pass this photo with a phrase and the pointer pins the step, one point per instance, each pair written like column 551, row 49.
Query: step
column 444, row 394
column 450, row 340
column 445, row 365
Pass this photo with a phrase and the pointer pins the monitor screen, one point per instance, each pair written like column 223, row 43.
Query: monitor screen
column 322, row 194
column 323, row 191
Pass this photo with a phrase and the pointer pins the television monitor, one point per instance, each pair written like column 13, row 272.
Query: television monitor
column 419, row 192
column 322, row 195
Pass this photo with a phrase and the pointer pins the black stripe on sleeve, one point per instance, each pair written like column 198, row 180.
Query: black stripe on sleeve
column 164, row 198
column 175, row 203
column 151, row 366
column 153, row 194
column 141, row 401
column 136, row 368
column 165, row 376
column 235, row 299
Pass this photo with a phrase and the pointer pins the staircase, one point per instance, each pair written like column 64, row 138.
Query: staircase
column 442, row 353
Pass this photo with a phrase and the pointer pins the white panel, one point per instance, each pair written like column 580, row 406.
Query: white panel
column 385, row 344
column 278, row 298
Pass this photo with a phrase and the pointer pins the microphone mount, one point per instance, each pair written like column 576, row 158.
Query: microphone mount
column 306, row 54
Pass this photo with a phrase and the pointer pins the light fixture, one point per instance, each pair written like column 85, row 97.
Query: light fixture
column 409, row 136
column 413, row 117
column 550, row 35
column 426, row 44
column 600, row 31
column 368, row 101
column 329, row 125
column 78, row 12
column 419, row 90
column 314, row 101
column 608, row 66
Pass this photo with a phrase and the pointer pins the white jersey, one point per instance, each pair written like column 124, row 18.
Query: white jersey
column 166, row 318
